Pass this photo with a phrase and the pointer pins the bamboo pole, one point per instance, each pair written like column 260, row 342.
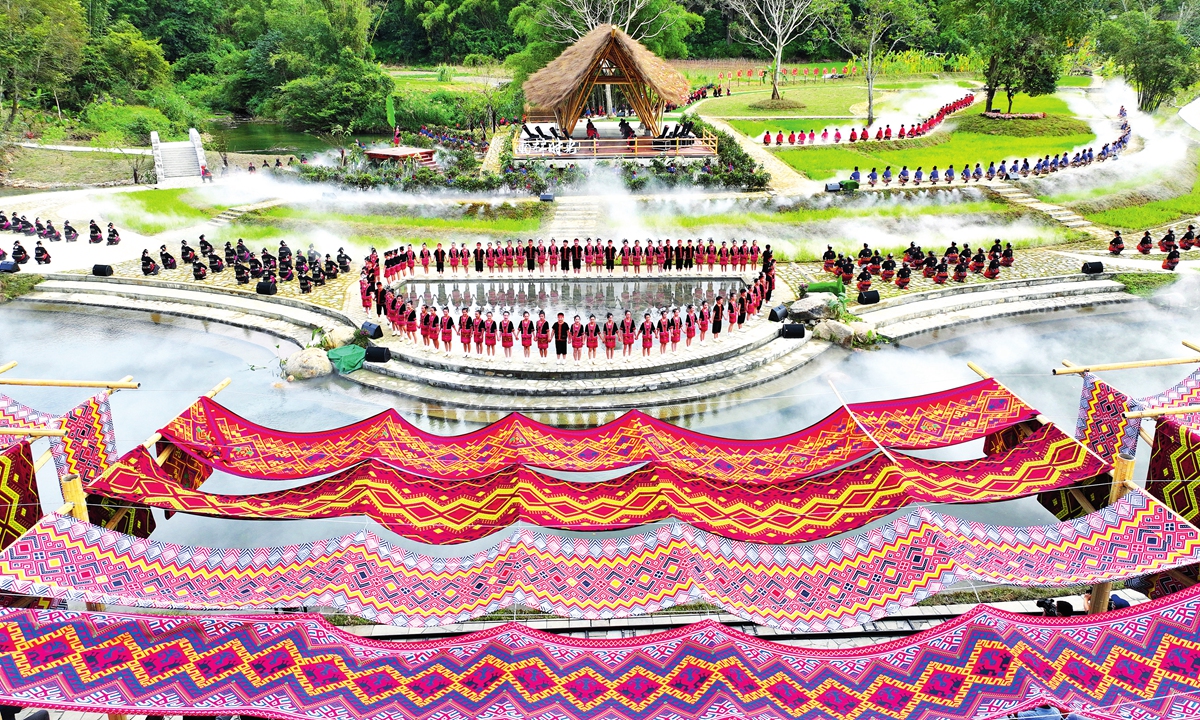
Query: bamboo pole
column 34, row 432
column 1071, row 368
column 41, row 462
column 8, row 366
column 117, row 517
column 1122, row 478
column 76, row 501
column 1159, row 412
column 149, row 443
column 110, row 384
column 1191, row 346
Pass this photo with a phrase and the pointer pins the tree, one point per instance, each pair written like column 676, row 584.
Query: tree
column 877, row 28
column 41, row 45
column 1033, row 71
column 999, row 29
column 772, row 25
column 1156, row 60
column 490, row 82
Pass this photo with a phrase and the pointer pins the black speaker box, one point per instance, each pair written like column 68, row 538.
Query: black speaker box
column 102, row 270
column 793, row 330
column 779, row 313
column 265, row 288
column 372, row 330
column 870, row 297
column 377, row 354
column 1093, row 268
column 9, row 266
column 833, row 187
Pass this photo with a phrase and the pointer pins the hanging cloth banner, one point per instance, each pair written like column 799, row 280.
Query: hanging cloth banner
column 985, row 664
column 819, row 586
column 1101, row 425
column 224, row 441
column 89, row 445
column 1174, row 474
column 445, row 512
column 19, row 499
column 16, row 415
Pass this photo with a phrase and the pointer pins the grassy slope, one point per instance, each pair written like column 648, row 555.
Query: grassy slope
column 817, row 215
column 1145, row 284
column 16, row 284
column 496, row 225
column 1151, row 214
column 150, row 212
column 824, row 162
column 61, row 166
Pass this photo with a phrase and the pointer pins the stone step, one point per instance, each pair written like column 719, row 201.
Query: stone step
column 583, row 387
column 284, row 330
column 885, row 318
column 955, row 289
column 90, row 292
column 1078, row 223
column 991, row 311
column 695, row 397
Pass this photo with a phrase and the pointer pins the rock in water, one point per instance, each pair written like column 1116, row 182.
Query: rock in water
column 834, row 331
column 308, row 363
column 338, row 336
column 817, row 306
column 864, row 331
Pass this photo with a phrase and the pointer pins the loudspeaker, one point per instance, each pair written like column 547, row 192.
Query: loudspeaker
column 372, row 330
column 102, row 270
column 1093, row 268
column 265, row 288
column 546, row 197
column 870, row 297
column 9, row 266
column 378, row 354
column 779, row 313
column 833, row 187
column 793, row 330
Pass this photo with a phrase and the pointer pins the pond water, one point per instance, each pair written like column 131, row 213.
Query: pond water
column 270, row 138
column 582, row 297
column 177, row 359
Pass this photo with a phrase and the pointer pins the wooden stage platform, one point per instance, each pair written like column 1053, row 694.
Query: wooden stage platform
column 616, row 148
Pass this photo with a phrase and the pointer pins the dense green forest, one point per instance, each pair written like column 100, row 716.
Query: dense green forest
column 120, row 68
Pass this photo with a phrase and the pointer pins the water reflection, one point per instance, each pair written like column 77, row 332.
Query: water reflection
column 583, row 297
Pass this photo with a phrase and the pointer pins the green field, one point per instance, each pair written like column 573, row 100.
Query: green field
column 150, row 212
column 470, row 224
column 805, row 215
column 819, row 100
column 1152, row 214
column 1075, row 81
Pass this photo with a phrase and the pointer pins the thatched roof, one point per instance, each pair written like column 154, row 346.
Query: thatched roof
column 553, row 84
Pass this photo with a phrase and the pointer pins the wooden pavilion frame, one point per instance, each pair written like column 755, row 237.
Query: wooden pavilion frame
column 606, row 56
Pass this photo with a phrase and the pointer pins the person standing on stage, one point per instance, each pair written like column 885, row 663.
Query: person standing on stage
column 489, row 336
column 530, row 257
column 507, row 331
column 718, row 313
column 439, row 259
column 647, row 332
column 610, row 336
column 629, row 332
column 525, row 330
column 626, row 254
column 447, row 329
column 477, row 334
column 691, row 324
column 610, row 257
column 542, row 333
column 591, row 335
column 676, row 329
column 562, row 333
column 479, row 256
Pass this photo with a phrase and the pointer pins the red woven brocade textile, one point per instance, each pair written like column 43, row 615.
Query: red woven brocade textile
column 447, row 512
column 224, row 441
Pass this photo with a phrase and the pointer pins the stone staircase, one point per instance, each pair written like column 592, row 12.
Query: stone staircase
column 1017, row 196
column 178, row 161
column 574, row 217
column 924, row 312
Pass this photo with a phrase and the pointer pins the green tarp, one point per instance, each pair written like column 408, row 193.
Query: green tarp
column 347, row 358
column 832, row 286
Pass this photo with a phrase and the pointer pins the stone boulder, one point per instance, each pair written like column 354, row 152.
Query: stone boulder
column 338, row 336
column 817, row 306
column 307, row 363
column 864, row 331
column 834, row 331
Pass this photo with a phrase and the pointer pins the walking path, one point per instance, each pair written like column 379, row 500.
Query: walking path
column 87, row 148
column 784, row 179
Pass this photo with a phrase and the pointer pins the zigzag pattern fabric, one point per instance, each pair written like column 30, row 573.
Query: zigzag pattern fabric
column 1184, row 393
column 1175, row 467
column 16, row 415
column 19, row 500
column 447, row 512
column 1140, row 662
column 224, row 441
column 1101, row 425
column 89, row 446
column 818, row 586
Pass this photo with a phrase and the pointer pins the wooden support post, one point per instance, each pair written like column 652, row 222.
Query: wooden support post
column 111, row 385
column 149, row 443
column 1121, row 477
column 1159, row 412
column 40, row 462
column 73, row 496
column 1070, row 368
column 1191, row 346
column 8, row 366
column 33, row 432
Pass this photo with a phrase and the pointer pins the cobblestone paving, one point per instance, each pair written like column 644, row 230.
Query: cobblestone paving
column 331, row 295
column 1031, row 263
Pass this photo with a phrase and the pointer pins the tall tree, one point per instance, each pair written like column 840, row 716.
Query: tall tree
column 877, row 27
column 999, row 29
column 1156, row 60
column 772, row 25
column 42, row 40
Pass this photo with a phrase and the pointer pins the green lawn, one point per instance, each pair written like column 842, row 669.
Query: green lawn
column 150, row 212
column 1152, row 214
column 1022, row 103
column 803, row 215
column 818, row 99
column 1075, row 81
column 493, row 225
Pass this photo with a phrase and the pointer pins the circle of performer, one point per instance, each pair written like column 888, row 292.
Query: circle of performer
column 955, row 265
column 576, row 336
column 1169, row 245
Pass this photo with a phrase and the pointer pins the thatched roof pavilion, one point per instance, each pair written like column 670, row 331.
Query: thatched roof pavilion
column 606, row 56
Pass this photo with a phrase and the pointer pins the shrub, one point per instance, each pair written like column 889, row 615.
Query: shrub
column 133, row 122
